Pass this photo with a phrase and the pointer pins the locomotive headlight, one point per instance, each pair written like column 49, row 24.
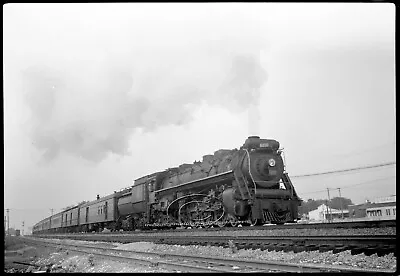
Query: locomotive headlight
column 271, row 162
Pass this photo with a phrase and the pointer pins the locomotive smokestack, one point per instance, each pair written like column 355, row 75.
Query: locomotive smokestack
column 252, row 141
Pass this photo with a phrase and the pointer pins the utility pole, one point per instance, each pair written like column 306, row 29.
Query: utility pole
column 8, row 221
column 23, row 224
column 340, row 198
column 51, row 211
column 329, row 199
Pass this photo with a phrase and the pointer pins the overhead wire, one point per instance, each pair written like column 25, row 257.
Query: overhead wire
column 347, row 173
column 349, row 186
column 346, row 170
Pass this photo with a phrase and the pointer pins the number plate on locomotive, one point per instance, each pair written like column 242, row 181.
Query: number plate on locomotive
column 264, row 145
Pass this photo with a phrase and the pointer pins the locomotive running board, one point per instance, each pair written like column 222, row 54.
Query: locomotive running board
column 214, row 179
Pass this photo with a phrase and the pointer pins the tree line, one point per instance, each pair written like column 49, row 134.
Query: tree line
column 335, row 203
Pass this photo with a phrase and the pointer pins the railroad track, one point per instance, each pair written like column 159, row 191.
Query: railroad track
column 367, row 244
column 190, row 263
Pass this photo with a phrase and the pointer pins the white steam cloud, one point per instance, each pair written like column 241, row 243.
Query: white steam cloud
column 90, row 88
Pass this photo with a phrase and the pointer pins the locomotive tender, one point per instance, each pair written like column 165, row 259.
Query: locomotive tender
column 246, row 185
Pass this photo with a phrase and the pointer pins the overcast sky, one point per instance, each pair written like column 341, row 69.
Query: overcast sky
column 97, row 95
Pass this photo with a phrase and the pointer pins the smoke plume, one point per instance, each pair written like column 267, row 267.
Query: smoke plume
column 88, row 100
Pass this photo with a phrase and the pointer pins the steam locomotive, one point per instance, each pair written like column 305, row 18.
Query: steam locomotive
column 249, row 185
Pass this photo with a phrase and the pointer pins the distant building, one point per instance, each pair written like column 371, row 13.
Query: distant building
column 383, row 207
column 385, row 199
column 385, row 210
column 377, row 208
column 323, row 213
column 12, row 231
column 358, row 210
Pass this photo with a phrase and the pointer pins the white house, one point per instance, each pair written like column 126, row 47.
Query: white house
column 323, row 213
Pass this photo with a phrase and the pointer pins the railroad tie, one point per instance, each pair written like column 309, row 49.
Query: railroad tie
column 281, row 247
column 340, row 248
column 371, row 250
column 289, row 247
column 326, row 248
column 299, row 248
column 356, row 251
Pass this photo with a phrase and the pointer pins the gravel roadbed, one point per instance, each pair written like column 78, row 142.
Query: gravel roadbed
column 387, row 262
column 273, row 232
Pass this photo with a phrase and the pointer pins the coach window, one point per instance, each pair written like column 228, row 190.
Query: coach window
column 87, row 214
column 394, row 212
column 105, row 210
column 388, row 212
column 373, row 213
column 66, row 219
column 379, row 213
column 70, row 218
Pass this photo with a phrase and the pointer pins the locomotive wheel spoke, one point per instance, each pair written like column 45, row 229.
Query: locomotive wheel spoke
column 253, row 222
column 194, row 213
column 221, row 223
column 234, row 223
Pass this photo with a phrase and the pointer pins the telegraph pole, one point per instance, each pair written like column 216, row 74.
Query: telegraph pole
column 329, row 199
column 8, row 221
column 340, row 198
column 23, row 224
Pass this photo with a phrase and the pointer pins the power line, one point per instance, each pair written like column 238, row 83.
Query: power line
column 349, row 186
column 362, row 183
column 356, row 172
column 346, row 170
